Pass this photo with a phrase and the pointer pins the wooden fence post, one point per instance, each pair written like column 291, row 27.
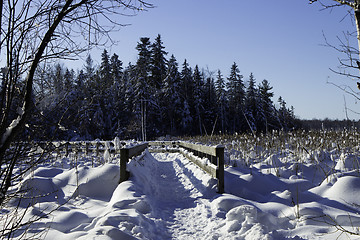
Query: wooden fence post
column 220, row 165
column 97, row 148
column 124, row 158
column 67, row 149
column 86, row 148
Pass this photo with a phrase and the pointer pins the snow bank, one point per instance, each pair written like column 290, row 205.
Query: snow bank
column 168, row 197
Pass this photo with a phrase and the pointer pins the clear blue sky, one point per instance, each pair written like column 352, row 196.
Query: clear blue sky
column 277, row 40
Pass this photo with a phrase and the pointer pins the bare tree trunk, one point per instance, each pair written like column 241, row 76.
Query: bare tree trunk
column 357, row 20
column 1, row 14
column 16, row 126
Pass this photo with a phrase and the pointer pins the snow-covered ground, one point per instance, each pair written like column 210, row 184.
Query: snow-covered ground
column 168, row 197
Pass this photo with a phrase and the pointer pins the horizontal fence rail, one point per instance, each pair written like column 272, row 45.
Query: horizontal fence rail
column 125, row 154
column 81, row 146
column 194, row 152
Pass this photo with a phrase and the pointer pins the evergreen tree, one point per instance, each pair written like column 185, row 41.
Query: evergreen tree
column 117, row 100
column 173, row 102
column 251, row 104
column 144, row 59
column 158, row 63
column 236, row 96
column 198, row 99
column 68, row 80
column 116, row 68
column 58, row 79
column 187, row 83
column 89, row 68
column 267, row 114
column 187, row 93
column 105, row 72
column 221, row 101
column 146, row 107
column 151, row 98
column 131, row 122
column 209, row 105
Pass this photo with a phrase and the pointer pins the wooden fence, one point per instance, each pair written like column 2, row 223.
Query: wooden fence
column 97, row 147
column 194, row 152
column 125, row 154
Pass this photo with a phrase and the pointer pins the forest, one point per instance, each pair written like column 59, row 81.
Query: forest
column 151, row 98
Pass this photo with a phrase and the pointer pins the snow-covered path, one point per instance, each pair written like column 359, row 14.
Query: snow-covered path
column 168, row 197
column 180, row 203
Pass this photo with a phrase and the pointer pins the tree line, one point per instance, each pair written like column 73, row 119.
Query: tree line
column 151, row 98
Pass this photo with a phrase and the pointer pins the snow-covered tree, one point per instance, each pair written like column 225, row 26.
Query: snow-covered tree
column 198, row 99
column 236, row 96
column 158, row 63
column 209, row 105
column 173, row 101
column 105, row 72
column 251, row 104
column 33, row 32
column 186, row 91
column 221, row 101
column 267, row 114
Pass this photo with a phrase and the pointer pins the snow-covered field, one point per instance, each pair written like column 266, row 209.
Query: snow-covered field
column 279, row 194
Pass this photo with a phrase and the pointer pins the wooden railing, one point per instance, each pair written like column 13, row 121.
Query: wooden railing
column 195, row 152
column 125, row 154
column 85, row 147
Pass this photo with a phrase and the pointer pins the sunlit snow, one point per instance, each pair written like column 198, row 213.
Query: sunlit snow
column 168, row 197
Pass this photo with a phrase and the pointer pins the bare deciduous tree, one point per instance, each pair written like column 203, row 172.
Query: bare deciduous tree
column 38, row 31
column 346, row 45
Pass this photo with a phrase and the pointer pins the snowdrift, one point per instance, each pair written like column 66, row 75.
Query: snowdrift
column 168, row 197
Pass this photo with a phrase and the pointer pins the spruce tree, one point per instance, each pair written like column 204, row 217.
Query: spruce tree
column 146, row 106
column 58, row 79
column 236, row 96
column 105, row 71
column 68, row 80
column 221, row 101
column 267, row 113
column 173, row 101
column 210, row 106
column 158, row 63
column 251, row 103
column 89, row 69
column 115, row 68
column 198, row 99
column 187, row 93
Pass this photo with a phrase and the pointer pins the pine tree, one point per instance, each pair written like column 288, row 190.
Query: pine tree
column 251, row 103
column 187, row 93
column 158, row 63
column 117, row 93
column 221, row 101
column 68, row 80
column 236, row 96
column 267, row 115
column 187, row 83
column 143, row 63
column 105, row 72
column 173, row 101
column 210, row 106
column 198, row 98
column 115, row 68
column 146, row 106
column 58, row 79
column 89, row 68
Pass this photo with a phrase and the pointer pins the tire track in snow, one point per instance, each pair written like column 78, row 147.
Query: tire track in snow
column 177, row 200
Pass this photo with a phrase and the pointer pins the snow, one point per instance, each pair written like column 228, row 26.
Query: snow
column 169, row 197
